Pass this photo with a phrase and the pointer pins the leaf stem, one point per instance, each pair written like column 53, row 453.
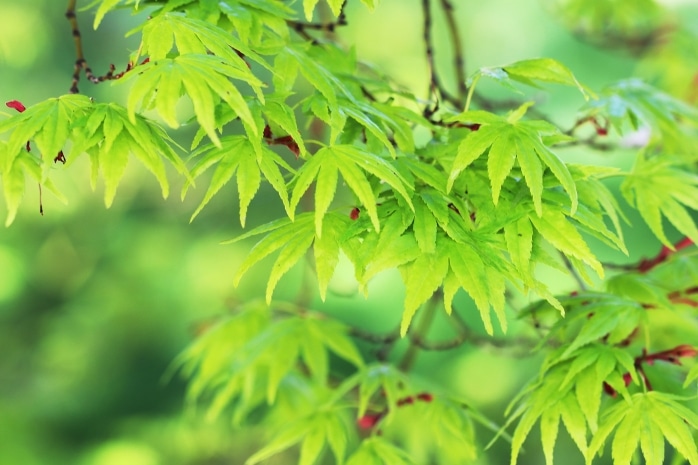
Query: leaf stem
column 470, row 92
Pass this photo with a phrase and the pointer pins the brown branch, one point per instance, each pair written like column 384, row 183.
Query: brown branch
column 467, row 335
column 429, row 51
column 436, row 88
column 647, row 264
column 302, row 28
column 80, row 62
column 458, row 56
column 672, row 356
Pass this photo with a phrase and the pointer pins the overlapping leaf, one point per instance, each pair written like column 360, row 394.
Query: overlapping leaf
column 638, row 104
column 376, row 450
column 250, row 18
column 293, row 239
column 205, row 79
column 660, row 186
column 109, row 136
column 243, row 361
column 207, row 361
column 432, row 247
column 352, row 163
column 47, row 124
column 591, row 317
column 646, row 421
column 192, row 36
column 509, row 141
column 105, row 6
column 295, row 58
column 383, row 126
column 277, row 349
column 569, row 391
column 238, row 155
column 12, row 178
column 558, row 230
column 379, row 386
column 312, row 433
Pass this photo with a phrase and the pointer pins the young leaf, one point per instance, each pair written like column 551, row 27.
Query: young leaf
column 326, row 249
column 658, row 186
column 635, row 103
column 205, row 79
column 376, row 450
column 237, row 154
column 109, row 135
column 47, row 123
column 470, row 272
column 13, row 189
column 631, row 422
column 506, row 142
column 293, row 239
column 351, row 162
column 554, row 226
column 530, row 72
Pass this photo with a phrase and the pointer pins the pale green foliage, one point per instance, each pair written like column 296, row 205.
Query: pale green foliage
column 648, row 419
column 476, row 197
column 658, row 186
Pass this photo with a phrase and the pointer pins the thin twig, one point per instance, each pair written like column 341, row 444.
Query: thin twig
column 523, row 344
column 458, row 56
column 329, row 27
column 573, row 272
column 431, row 67
column 436, row 88
column 387, row 338
column 80, row 62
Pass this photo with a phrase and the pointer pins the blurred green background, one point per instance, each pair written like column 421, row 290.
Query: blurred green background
column 95, row 304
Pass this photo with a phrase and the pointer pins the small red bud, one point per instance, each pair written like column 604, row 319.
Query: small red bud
column 425, row 397
column 368, row 421
column 602, row 131
column 354, row 215
column 17, row 105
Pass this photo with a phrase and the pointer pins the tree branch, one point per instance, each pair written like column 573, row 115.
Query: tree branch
column 458, row 56
column 80, row 62
column 302, row 28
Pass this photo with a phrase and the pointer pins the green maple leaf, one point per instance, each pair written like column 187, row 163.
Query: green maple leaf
column 509, row 142
column 647, row 420
column 352, row 163
column 238, row 156
column 658, row 187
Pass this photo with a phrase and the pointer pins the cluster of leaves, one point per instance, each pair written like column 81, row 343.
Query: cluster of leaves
column 479, row 207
